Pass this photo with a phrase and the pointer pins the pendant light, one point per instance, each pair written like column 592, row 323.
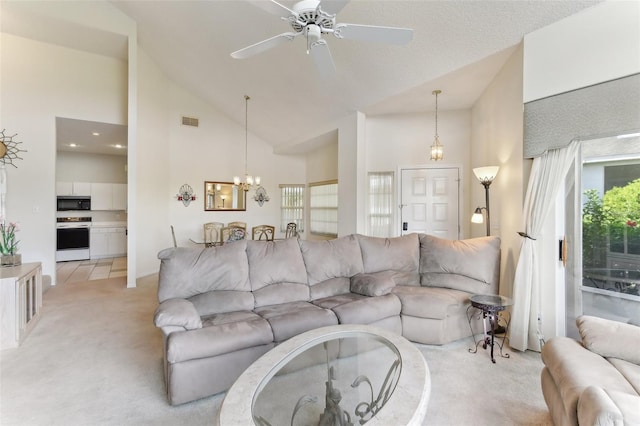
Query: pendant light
column 437, row 150
column 248, row 179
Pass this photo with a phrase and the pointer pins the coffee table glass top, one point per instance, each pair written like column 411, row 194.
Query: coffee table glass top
column 343, row 374
column 339, row 381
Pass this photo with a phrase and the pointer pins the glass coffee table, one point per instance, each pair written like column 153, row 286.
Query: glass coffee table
column 488, row 307
column 337, row 375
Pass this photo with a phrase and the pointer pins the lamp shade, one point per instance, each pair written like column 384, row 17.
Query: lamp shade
column 477, row 216
column 487, row 173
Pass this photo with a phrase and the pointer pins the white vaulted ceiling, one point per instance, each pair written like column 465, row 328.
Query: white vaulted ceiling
column 458, row 47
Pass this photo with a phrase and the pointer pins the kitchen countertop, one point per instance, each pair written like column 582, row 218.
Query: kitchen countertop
column 109, row 224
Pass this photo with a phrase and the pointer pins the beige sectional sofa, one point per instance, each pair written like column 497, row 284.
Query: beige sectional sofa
column 595, row 381
column 221, row 308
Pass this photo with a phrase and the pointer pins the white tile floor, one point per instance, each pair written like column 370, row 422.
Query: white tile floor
column 85, row 270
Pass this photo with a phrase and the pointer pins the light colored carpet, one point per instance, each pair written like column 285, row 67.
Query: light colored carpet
column 95, row 359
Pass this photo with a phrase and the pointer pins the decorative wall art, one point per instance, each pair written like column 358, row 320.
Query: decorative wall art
column 186, row 195
column 261, row 195
column 8, row 154
column 9, row 149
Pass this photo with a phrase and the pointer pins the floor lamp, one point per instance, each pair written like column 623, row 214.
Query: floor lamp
column 485, row 175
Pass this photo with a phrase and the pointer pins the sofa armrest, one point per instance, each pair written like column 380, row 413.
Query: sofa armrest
column 596, row 408
column 177, row 312
column 610, row 339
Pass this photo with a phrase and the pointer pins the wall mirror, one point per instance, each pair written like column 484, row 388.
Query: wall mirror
column 223, row 196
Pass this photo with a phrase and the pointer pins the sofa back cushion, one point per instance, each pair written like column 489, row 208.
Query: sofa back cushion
column 471, row 265
column 330, row 264
column 276, row 271
column 609, row 338
column 399, row 254
column 189, row 271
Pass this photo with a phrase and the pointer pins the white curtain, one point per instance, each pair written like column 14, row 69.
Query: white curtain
column 547, row 176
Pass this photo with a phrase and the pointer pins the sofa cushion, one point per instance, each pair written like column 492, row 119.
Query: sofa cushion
column 188, row 271
column 595, row 407
column 277, row 272
column 290, row 319
column 353, row 308
column 221, row 336
column 330, row 287
column 377, row 284
column 609, row 338
column 220, row 301
column 471, row 265
column 177, row 312
column 330, row 259
column 391, row 254
column 629, row 370
column 430, row 302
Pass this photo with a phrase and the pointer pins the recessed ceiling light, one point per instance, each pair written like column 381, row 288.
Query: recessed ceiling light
column 95, row 134
column 72, row 145
column 118, row 146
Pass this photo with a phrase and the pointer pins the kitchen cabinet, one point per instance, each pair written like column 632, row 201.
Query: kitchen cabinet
column 108, row 242
column 73, row 188
column 108, row 196
column 20, row 302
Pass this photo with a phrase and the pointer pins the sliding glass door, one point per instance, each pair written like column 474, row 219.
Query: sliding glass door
column 603, row 279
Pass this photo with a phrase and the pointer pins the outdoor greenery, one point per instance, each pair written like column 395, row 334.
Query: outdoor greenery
column 608, row 221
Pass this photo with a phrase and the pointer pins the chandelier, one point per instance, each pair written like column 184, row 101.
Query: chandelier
column 437, row 150
column 249, row 181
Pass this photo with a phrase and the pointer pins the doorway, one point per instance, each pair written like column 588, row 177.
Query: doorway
column 92, row 163
column 429, row 201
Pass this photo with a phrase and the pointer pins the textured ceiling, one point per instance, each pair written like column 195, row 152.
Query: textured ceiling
column 457, row 47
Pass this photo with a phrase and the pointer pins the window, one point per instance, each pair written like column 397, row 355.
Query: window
column 292, row 207
column 610, row 214
column 380, row 217
column 323, row 201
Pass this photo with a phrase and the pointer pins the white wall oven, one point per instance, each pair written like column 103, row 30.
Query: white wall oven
column 72, row 238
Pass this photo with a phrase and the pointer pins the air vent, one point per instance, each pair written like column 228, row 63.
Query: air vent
column 189, row 121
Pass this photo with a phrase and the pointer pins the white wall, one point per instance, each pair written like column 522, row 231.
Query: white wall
column 171, row 155
column 81, row 167
column 405, row 140
column 39, row 82
column 598, row 44
column 497, row 140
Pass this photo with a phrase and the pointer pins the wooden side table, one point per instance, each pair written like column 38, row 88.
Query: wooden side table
column 489, row 306
column 20, row 302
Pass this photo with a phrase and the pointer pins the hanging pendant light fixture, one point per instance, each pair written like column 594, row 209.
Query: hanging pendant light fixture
column 249, row 181
column 437, row 150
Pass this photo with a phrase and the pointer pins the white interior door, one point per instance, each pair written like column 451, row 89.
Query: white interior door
column 429, row 201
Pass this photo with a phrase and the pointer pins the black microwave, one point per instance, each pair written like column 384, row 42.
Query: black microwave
column 66, row 203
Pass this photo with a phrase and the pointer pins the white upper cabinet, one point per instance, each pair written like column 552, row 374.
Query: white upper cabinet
column 73, row 188
column 119, row 196
column 108, row 196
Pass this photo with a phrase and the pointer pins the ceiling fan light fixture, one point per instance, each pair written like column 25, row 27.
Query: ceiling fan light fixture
column 437, row 150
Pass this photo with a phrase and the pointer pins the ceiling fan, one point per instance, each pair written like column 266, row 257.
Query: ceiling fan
column 313, row 19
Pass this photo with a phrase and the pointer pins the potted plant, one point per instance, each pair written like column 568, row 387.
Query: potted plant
column 9, row 245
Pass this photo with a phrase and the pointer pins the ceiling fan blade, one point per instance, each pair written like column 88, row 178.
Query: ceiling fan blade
column 263, row 45
column 332, row 6
column 273, row 7
column 322, row 58
column 374, row 33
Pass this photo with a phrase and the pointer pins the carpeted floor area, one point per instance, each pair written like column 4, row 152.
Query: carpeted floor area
column 95, row 359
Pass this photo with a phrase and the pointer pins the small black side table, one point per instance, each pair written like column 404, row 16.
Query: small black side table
column 489, row 307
